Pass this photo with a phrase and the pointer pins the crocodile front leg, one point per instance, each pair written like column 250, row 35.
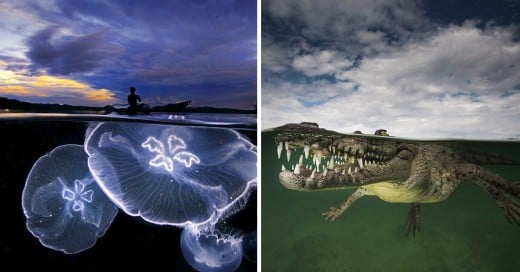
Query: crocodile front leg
column 337, row 211
column 509, row 205
column 506, row 194
column 506, row 197
column 413, row 222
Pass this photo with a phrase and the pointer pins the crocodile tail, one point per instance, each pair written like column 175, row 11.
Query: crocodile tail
column 506, row 194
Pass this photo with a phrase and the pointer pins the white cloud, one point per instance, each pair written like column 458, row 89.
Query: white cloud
column 274, row 57
column 17, row 23
column 321, row 63
column 457, row 59
column 339, row 21
column 461, row 82
column 350, row 29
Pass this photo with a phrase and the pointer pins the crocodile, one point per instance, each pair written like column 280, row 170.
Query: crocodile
column 395, row 170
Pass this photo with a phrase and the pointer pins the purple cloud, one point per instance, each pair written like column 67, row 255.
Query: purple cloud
column 64, row 55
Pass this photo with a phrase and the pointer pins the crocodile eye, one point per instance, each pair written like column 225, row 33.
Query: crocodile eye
column 381, row 132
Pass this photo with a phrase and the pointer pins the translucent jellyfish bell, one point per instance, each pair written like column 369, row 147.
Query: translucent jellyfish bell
column 65, row 208
column 249, row 246
column 210, row 250
column 174, row 175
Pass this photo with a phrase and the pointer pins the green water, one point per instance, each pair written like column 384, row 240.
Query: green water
column 467, row 232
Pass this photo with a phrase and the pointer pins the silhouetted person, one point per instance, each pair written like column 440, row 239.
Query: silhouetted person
column 132, row 101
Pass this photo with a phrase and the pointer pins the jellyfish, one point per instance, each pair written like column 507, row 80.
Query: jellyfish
column 172, row 175
column 249, row 246
column 210, row 249
column 65, row 208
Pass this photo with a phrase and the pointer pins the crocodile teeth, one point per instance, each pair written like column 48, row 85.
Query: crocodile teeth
column 349, row 170
column 312, row 174
column 306, row 149
column 333, row 149
column 297, row 169
column 279, row 149
column 325, row 171
column 343, row 173
column 300, row 161
column 360, row 162
column 283, row 167
column 351, row 160
column 331, row 164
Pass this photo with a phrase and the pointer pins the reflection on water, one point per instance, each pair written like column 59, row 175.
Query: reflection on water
column 467, row 231
column 234, row 121
column 130, row 240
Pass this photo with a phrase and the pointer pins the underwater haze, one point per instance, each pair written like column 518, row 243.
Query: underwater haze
column 466, row 232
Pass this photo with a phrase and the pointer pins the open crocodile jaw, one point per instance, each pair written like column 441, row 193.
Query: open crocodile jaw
column 310, row 181
column 337, row 166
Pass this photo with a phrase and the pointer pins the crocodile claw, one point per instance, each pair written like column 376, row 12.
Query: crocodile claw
column 332, row 214
column 507, row 197
column 511, row 209
column 413, row 222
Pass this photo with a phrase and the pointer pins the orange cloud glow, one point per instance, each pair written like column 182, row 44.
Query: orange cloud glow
column 101, row 95
column 13, row 84
column 56, row 82
column 14, row 90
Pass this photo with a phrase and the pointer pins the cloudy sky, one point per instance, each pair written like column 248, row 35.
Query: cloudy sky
column 424, row 69
column 91, row 52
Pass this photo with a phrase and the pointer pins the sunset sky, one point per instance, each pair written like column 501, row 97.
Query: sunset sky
column 429, row 69
column 91, row 52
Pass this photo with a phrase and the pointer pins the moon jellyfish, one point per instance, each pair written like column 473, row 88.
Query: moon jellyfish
column 172, row 175
column 210, row 250
column 249, row 246
column 65, row 208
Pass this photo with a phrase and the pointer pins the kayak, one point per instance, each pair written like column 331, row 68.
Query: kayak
column 145, row 108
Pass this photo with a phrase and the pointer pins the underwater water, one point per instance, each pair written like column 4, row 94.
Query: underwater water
column 466, row 232
column 129, row 241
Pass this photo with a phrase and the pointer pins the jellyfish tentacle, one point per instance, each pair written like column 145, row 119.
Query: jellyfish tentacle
column 210, row 249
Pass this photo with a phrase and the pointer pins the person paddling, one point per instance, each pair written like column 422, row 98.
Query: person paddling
column 133, row 101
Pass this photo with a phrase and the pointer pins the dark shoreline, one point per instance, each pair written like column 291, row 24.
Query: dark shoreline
column 13, row 105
